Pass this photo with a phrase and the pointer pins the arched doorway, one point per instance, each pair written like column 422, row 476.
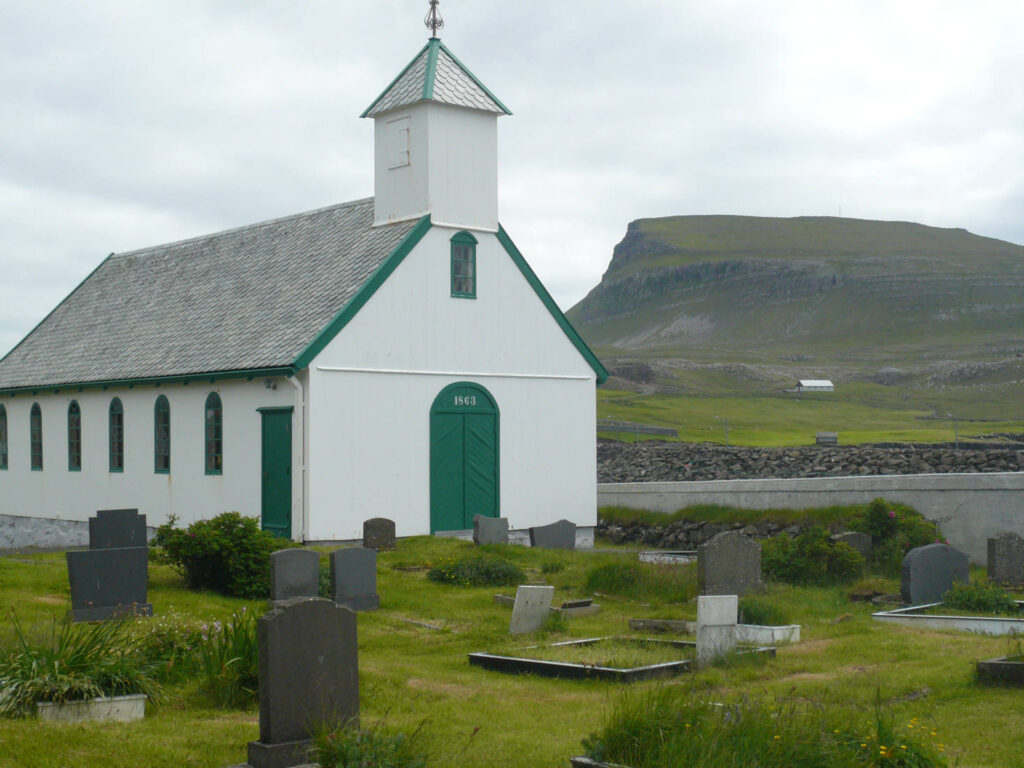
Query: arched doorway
column 463, row 457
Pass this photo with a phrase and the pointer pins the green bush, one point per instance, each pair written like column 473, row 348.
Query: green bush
column 895, row 529
column 980, row 596
column 228, row 554
column 229, row 660
column 811, row 558
column 643, row 581
column 76, row 661
column 477, row 571
column 347, row 746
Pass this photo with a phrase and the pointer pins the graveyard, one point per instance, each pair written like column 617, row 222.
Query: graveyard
column 415, row 677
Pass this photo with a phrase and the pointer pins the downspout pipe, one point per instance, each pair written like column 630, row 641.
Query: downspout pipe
column 300, row 422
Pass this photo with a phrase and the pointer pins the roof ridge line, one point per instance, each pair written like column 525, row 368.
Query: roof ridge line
column 244, row 227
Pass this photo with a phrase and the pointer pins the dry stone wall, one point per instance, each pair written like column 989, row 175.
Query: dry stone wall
column 654, row 460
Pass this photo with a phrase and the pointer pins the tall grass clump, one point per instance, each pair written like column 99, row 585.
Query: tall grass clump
column 348, row 746
column 73, row 662
column 229, row 553
column 643, row 581
column 477, row 571
column 665, row 726
column 229, row 660
column 980, row 596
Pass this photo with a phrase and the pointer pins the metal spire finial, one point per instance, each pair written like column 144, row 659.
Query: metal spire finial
column 433, row 20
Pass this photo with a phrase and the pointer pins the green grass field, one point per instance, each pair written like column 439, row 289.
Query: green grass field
column 413, row 676
column 860, row 413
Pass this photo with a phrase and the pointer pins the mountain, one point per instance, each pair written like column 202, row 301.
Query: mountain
column 809, row 294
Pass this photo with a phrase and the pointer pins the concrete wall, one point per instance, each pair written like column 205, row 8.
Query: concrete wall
column 970, row 508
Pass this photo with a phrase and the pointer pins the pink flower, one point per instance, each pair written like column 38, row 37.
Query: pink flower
column 891, row 513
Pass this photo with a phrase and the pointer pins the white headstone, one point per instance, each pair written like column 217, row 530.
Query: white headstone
column 531, row 609
column 716, row 626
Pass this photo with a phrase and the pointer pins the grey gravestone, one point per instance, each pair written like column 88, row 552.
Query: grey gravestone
column 354, row 578
column 860, row 542
column 1006, row 559
column 929, row 571
column 117, row 529
column 716, row 626
column 531, row 609
column 379, row 533
column 309, row 675
column 108, row 582
column 294, row 573
column 729, row 564
column 490, row 530
column 560, row 535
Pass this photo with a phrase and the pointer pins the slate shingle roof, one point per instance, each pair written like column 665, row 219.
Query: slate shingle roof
column 435, row 74
column 248, row 298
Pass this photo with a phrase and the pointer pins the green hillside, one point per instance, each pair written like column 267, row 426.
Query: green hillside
column 737, row 305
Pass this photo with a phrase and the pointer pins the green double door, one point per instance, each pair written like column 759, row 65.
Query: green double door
column 276, row 485
column 463, row 457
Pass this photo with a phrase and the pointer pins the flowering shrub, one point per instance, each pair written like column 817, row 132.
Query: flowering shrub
column 895, row 530
column 477, row 571
column 228, row 553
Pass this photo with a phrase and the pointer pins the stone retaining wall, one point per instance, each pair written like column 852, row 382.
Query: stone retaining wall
column 656, row 460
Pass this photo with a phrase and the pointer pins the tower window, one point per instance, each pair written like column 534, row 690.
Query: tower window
column 464, row 265
column 74, row 437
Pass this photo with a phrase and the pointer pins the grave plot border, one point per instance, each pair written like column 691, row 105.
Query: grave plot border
column 571, row 671
column 1005, row 670
column 668, row 556
column 980, row 625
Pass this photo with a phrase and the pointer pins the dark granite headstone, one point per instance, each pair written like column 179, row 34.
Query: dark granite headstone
column 1006, row 559
column 117, row 529
column 308, row 673
column 379, row 533
column 491, row 530
column 860, row 542
column 560, row 535
column 929, row 572
column 294, row 573
column 354, row 578
column 729, row 564
column 108, row 582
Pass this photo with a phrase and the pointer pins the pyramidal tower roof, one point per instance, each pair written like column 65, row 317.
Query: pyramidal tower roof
column 435, row 74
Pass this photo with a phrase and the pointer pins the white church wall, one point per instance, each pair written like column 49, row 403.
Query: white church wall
column 372, row 387
column 187, row 491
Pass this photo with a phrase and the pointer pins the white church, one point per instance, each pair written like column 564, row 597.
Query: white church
column 388, row 357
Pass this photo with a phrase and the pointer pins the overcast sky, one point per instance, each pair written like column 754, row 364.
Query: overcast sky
column 125, row 124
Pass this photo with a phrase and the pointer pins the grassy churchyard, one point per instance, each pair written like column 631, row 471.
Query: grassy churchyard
column 414, row 675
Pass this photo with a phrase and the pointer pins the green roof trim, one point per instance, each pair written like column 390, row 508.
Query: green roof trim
column 431, row 71
column 364, row 294
column 556, row 313
column 210, row 376
column 405, row 69
column 473, row 77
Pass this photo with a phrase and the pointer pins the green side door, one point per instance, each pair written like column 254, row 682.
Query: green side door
column 464, row 458
column 276, row 491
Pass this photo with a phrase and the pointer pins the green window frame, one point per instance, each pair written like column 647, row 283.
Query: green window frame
column 116, row 422
column 74, row 437
column 162, row 436
column 3, row 437
column 463, row 262
column 214, row 434
column 35, row 436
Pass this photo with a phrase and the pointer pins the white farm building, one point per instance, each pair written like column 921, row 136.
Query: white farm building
column 388, row 357
column 814, row 385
